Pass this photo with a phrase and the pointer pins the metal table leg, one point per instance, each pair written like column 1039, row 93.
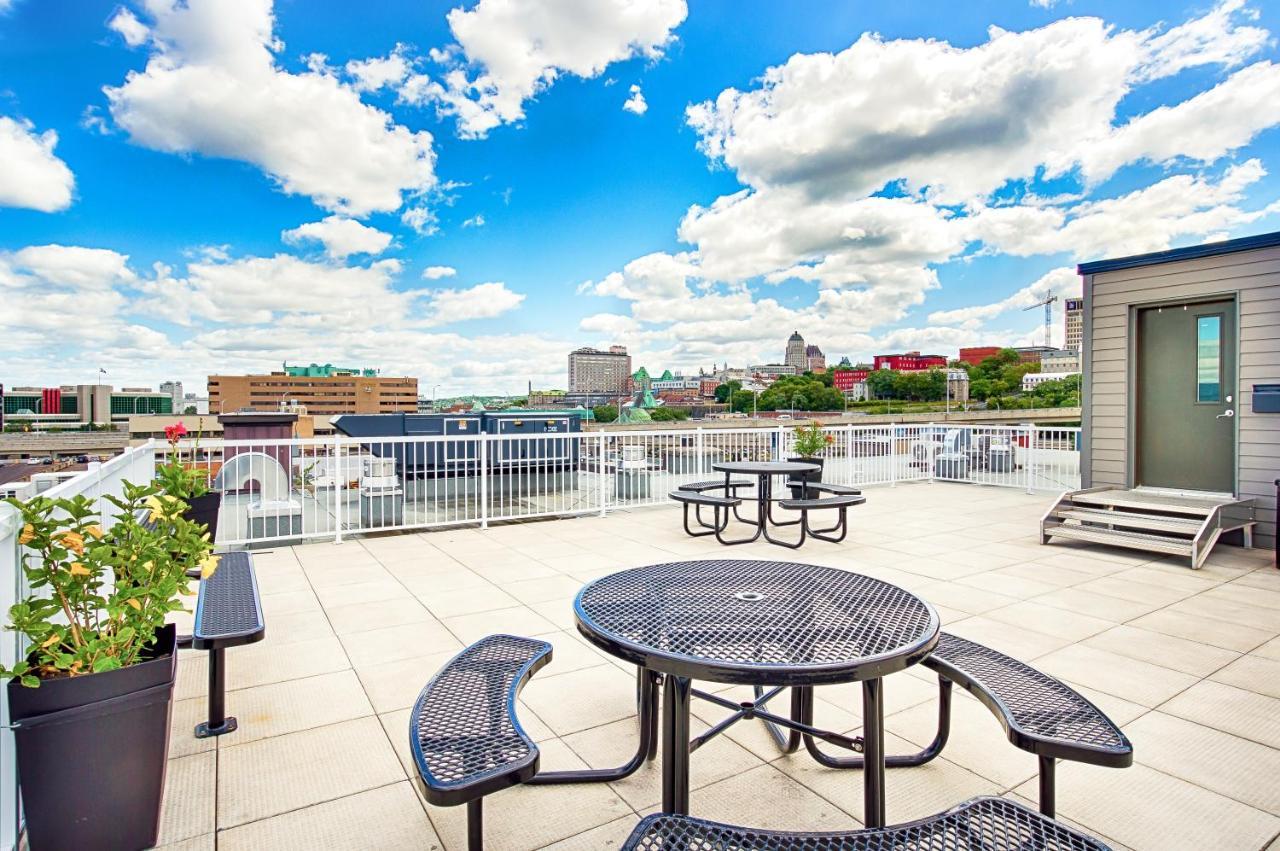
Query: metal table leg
column 675, row 745
column 647, row 710
column 873, row 753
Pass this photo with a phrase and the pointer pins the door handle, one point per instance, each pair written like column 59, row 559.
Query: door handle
column 1227, row 414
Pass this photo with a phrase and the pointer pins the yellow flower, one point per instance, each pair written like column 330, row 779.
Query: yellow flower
column 157, row 509
column 78, row 569
column 28, row 534
column 134, row 603
column 96, row 531
column 72, row 541
column 208, row 566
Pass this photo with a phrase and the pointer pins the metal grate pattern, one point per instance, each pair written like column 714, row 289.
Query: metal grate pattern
column 229, row 606
column 1040, row 706
column 982, row 824
column 750, row 614
column 463, row 729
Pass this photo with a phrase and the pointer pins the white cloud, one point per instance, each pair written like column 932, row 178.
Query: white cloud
column 636, row 103
column 212, row 86
column 371, row 75
column 476, row 221
column 68, row 294
column 1062, row 282
column 132, row 30
column 1146, row 219
column 1204, row 128
column 483, row 301
column 31, row 175
column 340, row 236
column 508, row 51
column 955, row 122
column 435, row 273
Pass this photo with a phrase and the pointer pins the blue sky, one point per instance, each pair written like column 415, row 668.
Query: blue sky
column 457, row 192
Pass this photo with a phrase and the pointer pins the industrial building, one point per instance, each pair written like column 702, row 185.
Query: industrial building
column 595, row 371
column 314, row 389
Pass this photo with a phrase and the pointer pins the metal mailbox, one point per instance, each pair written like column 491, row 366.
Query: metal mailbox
column 1266, row 398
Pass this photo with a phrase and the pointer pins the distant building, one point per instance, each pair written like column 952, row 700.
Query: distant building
column 845, row 380
column 595, row 371
column 1032, row 354
column 546, row 398
column 977, row 354
column 796, row 356
column 1060, row 360
column 844, row 363
column 958, row 385
column 772, row 370
column 815, row 360
column 174, row 389
column 76, row 405
column 1031, row 379
column 314, row 389
column 910, row 362
column 199, row 403
column 1074, row 316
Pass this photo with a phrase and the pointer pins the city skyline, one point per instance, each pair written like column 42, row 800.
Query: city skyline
column 650, row 182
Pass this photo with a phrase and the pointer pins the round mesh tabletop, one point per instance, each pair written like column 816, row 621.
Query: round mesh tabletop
column 757, row 622
column 765, row 468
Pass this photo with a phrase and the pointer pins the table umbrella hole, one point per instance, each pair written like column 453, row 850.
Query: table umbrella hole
column 749, row 596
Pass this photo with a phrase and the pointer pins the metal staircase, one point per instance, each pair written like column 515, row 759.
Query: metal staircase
column 1150, row 520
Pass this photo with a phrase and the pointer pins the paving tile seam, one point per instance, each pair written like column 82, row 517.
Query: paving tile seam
column 219, row 830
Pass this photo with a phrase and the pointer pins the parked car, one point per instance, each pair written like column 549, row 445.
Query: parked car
column 82, row 459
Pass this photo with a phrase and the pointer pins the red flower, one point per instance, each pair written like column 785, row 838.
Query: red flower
column 175, row 432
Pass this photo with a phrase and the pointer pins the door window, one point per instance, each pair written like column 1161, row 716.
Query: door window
column 1209, row 359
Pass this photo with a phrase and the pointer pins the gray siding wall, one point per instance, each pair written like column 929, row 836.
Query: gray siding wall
column 1253, row 277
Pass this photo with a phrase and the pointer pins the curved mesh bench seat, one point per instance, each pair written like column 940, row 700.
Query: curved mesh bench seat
column 841, row 503
column 1039, row 713
column 982, row 824
column 463, row 732
column 720, row 506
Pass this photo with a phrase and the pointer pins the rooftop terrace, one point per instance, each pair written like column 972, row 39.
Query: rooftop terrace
column 1187, row 662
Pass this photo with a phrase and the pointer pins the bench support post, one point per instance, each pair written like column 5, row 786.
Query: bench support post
column 1047, row 805
column 218, row 722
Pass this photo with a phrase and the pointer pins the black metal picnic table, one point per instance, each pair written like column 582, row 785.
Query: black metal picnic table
column 764, row 471
column 769, row 625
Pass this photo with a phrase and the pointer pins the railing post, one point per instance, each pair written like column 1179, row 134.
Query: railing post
column 932, row 464
column 482, row 450
column 604, row 484
column 339, row 487
column 1031, row 457
column 10, row 648
column 848, row 452
column 702, row 455
column 782, row 437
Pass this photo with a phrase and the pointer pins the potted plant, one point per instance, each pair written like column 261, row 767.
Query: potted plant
column 190, row 482
column 808, row 444
column 90, row 700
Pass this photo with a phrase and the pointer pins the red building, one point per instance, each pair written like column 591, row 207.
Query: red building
column 707, row 387
column 844, row 379
column 910, row 362
column 977, row 354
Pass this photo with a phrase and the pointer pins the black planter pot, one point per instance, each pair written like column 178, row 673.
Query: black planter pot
column 797, row 478
column 204, row 509
column 92, row 753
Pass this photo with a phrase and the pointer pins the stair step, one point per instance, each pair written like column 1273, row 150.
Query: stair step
column 1140, row 501
column 1120, row 538
column 1132, row 520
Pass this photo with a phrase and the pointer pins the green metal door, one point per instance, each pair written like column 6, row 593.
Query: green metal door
column 1185, row 393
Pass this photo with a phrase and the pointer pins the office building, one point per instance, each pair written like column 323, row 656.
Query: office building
column 314, row 389
column 815, row 360
column 595, row 371
column 796, row 357
column 845, row 380
column 1074, row 316
column 1032, row 354
column 174, row 389
column 77, row 405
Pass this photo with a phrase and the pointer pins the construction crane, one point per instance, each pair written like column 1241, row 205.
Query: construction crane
column 1047, row 304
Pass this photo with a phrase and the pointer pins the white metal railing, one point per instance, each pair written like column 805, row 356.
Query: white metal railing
column 328, row 487
column 100, row 480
